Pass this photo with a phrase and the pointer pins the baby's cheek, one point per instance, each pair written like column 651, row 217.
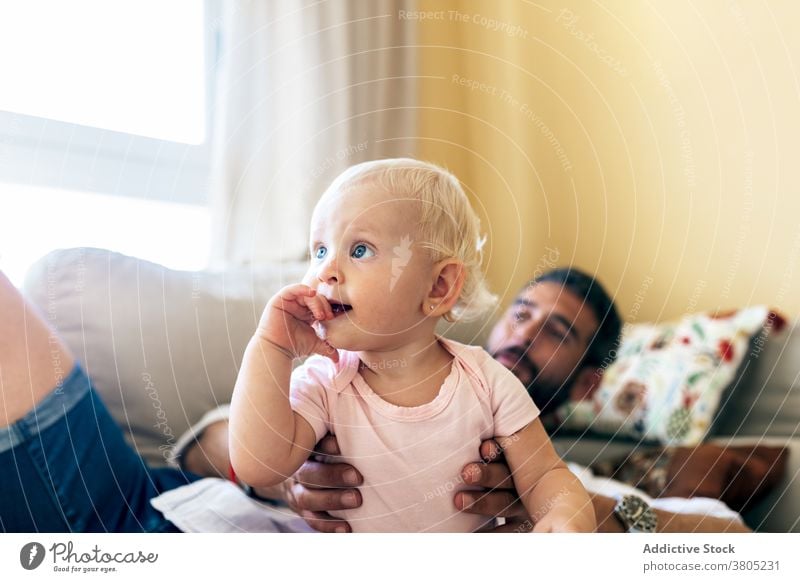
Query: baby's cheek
column 406, row 288
column 402, row 325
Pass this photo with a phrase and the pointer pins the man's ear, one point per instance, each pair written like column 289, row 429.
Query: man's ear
column 448, row 279
column 587, row 380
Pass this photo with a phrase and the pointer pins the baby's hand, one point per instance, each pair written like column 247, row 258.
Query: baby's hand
column 563, row 520
column 287, row 318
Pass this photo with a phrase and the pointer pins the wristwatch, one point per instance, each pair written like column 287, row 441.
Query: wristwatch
column 636, row 516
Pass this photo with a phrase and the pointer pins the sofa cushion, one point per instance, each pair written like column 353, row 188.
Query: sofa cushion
column 767, row 399
column 668, row 379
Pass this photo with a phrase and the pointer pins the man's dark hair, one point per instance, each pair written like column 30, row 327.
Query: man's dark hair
column 602, row 347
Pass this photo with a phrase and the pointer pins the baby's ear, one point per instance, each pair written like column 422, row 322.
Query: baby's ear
column 448, row 280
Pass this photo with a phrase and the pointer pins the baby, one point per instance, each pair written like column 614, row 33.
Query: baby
column 395, row 247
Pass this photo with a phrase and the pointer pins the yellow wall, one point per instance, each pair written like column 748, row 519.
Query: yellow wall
column 655, row 144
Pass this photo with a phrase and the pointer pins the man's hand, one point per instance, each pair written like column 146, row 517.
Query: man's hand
column 319, row 487
column 500, row 498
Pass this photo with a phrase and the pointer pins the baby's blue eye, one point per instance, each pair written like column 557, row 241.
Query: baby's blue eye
column 320, row 253
column 360, row 251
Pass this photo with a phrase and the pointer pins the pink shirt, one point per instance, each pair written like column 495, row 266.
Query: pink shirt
column 411, row 457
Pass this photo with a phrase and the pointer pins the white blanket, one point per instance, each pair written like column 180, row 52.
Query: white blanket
column 214, row 505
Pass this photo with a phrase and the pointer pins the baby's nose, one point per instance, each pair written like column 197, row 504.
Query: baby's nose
column 329, row 272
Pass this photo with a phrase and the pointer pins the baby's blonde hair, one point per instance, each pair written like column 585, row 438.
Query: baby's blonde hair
column 448, row 226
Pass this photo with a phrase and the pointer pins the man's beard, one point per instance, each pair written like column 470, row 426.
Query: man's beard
column 546, row 395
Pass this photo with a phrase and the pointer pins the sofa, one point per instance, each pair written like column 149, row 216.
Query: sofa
column 163, row 348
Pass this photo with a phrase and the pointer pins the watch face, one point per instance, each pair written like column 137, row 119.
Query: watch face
column 633, row 505
column 635, row 514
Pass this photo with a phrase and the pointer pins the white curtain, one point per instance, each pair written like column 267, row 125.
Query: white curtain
column 305, row 89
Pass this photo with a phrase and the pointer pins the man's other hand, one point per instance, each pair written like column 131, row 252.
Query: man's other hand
column 320, row 486
column 499, row 498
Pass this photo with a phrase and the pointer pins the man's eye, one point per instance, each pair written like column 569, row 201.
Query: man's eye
column 320, row 252
column 556, row 333
column 360, row 251
column 519, row 315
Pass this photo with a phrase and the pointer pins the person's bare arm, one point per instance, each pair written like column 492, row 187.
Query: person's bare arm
column 553, row 497
column 668, row 522
column 268, row 441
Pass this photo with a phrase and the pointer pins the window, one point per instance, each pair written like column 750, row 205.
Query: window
column 131, row 67
column 43, row 219
column 105, row 121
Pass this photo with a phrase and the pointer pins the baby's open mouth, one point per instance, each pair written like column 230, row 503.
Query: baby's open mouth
column 339, row 308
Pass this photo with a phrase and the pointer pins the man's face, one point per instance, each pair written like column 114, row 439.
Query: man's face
column 542, row 338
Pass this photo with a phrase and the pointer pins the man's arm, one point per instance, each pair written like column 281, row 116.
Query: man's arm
column 668, row 522
column 503, row 502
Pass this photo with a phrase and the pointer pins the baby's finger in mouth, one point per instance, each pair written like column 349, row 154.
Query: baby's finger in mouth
column 325, row 306
column 320, row 308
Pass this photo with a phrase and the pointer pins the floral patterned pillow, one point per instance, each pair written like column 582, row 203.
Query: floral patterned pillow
column 668, row 379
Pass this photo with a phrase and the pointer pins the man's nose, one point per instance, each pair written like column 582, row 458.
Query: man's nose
column 527, row 331
column 328, row 271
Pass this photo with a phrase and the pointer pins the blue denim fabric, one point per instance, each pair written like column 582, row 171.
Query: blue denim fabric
column 65, row 467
